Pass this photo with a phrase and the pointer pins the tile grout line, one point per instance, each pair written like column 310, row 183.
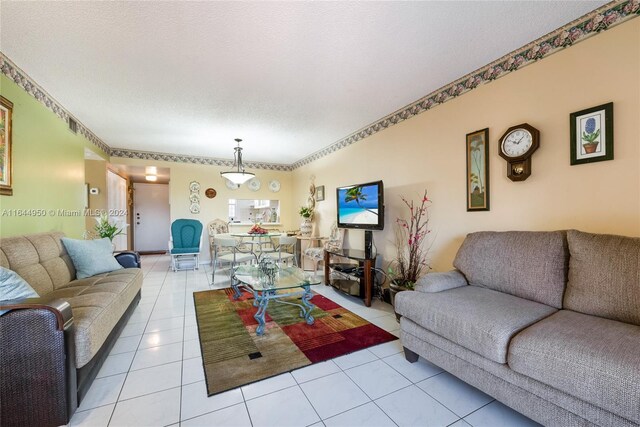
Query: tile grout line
column 246, row 407
column 473, row 412
column 306, row 397
column 184, row 324
column 134, row 357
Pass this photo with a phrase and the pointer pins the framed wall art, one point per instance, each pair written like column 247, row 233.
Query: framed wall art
column 592, row 134
column 320, row 193
column 478, row 170
column 6, row 166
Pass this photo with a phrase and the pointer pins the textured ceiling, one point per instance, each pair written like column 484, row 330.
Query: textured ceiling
column 288, row 78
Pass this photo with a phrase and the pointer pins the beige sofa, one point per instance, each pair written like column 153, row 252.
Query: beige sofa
column 546, row 322
column 53, row 346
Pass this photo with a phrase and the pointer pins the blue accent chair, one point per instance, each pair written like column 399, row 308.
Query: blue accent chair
column 186, row 239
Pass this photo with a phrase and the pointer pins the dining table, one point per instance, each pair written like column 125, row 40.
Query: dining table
column 257, row 246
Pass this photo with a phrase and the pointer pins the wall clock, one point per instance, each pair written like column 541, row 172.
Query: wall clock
column 516, row 146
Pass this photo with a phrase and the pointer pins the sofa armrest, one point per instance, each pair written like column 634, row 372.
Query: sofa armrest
column 38, row 369
column 128, row 259
column 438, row 282
column 60, row 308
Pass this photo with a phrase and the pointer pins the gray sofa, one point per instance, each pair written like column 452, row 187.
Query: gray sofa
column 52, row 347
column 548, row 323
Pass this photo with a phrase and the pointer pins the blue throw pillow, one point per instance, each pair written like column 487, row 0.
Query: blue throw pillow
column 13, row 287
column 91, row 257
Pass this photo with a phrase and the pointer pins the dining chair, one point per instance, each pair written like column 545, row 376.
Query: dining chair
column 185, row 242
column 214, row 228
column 286, row 250
column 335, row 241
column 225, row 250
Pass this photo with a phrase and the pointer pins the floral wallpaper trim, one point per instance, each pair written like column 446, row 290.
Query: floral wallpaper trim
column 166, row 157
column 601, row 19
column 13, row 72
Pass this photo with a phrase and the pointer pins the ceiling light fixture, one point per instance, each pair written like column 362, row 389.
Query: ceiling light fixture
column 237, row 176
column 152, row 178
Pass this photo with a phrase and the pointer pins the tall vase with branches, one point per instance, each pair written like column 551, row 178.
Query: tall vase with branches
column 411, row 246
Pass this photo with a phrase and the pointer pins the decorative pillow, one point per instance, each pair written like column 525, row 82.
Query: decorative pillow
column 13, row 287
column 91, row 257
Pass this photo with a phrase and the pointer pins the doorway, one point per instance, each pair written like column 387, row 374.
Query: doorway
column 151, row 217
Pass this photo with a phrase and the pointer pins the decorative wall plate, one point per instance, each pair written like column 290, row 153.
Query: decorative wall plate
column 194, row 208
column 210, row 193
column 254, row 184
column 194, row 186
column 231, row 186
column 274, row 185
column 194, row 198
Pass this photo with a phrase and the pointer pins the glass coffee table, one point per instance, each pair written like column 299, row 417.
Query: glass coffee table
column 288, row 282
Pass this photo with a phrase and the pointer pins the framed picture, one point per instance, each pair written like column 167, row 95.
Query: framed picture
column 6, row 110
column 592, row 134
column 320, row 193
column 478, row 170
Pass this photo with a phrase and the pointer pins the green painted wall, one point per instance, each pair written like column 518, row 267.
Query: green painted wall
column 48, row 170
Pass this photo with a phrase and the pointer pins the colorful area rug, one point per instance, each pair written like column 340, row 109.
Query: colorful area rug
column 233, row 355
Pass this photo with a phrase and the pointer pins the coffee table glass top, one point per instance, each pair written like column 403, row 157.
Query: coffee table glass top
column 286, row 278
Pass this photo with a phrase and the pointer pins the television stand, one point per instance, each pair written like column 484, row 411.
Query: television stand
column 365, row 261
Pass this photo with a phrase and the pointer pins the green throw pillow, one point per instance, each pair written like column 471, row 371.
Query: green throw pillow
column 91, row 257
column 13, row 287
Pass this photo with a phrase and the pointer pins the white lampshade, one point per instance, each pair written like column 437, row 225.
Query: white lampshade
column 237, row 177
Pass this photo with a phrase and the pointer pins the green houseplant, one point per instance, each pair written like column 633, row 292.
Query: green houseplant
column 411, row 249
column 305, row 212
column 104, row 227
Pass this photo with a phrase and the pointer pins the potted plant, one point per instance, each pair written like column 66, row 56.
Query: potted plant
column 104, row 228
column 590, row 136
column 411, row 252
column 307, row 215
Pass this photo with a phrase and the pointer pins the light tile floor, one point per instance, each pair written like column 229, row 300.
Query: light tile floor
column 154, row 376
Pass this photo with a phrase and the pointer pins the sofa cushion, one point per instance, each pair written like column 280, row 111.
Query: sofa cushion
column 40, row 259
column 479, row 319
column 594, row 359
column 98, row 303
column 604, row 276
column 13, row 287
column 530, row 265
column 91, row 257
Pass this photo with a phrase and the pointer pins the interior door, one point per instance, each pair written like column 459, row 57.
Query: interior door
column 117, row 207
column 151, row 218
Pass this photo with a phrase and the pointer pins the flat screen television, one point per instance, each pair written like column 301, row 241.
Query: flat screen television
column 361, row 206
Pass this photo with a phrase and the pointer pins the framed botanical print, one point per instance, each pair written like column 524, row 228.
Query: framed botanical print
column 478, row 170
column 592, row 134
column 6, row 171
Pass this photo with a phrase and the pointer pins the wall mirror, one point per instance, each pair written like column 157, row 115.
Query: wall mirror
column 251, row 211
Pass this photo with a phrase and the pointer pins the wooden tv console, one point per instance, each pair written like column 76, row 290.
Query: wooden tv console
column 366, row 263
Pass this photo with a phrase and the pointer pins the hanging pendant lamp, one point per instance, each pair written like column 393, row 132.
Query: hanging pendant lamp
column 237, row 176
